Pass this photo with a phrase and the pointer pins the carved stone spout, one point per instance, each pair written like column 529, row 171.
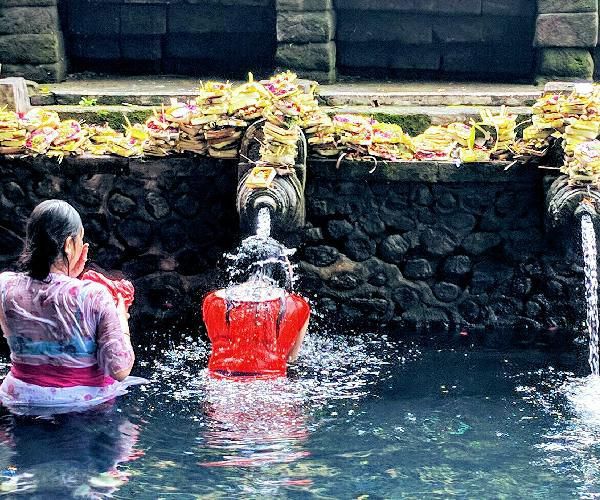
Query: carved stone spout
column 284, row 196
column 565, row 205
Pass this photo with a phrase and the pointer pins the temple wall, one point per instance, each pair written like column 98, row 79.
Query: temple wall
column 166, row 36
column 508, row 39
column 415, row 246
column 465, row 37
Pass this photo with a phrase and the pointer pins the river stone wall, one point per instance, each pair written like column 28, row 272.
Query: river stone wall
column 416, row 245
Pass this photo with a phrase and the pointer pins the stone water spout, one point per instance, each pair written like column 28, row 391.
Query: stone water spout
column 565, row 206
column 285, row 195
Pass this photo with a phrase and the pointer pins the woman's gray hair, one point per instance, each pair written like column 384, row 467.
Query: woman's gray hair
column 49, row 226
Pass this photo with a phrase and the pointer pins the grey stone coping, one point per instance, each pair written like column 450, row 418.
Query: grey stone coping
column 407, row 171
column 84, row 164
column 425, row 171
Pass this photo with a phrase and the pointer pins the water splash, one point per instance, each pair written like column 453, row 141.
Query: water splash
column 261, row 262
column 263, row 223
column 588, row 241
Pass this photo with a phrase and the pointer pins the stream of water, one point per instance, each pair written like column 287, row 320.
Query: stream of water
column 588, row 241
column 263, row 223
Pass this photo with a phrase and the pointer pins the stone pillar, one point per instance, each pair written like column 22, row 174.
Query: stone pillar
column 31, row 41
column 306, row 38
column 566, row 33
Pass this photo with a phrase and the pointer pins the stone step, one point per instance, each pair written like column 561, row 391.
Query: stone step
column 147, row 91
column 335, row 97
column 413, row 119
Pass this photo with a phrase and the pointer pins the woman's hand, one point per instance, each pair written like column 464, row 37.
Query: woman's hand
column 80, row 265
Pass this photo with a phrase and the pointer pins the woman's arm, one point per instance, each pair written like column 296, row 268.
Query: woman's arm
column 124, row 321
column 296, row 347
column 115, row 353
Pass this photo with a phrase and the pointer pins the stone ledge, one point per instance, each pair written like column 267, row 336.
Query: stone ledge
column 91, row 165
column 425, row 171
column 409, row 171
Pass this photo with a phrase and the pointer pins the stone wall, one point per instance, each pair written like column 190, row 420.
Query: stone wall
column 31, row 41
column 470, row 37
column 483, row 38
column 306, row 38
column 162, row 224
column 566, row 33
column 170, row 36
column 419, row 245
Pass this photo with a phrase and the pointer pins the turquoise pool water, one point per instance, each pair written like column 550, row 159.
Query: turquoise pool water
column 359, row 417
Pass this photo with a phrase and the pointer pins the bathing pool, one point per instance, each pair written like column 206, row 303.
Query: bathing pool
column 360, row 417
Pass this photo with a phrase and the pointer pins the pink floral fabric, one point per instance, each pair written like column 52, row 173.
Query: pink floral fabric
column 61, row 322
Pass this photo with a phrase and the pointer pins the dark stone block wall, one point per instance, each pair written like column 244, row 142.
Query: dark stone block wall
column 415, row 245
column 31, row 40
column 170, row 36
column 470, row 37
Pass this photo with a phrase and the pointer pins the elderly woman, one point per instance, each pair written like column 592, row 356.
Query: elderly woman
column 69, row 342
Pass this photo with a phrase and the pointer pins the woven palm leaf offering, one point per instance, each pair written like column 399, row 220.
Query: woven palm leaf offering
column 320, row 134
column 191, row 136
column 547, row 112
column 12, row 133
column 69, row 140
column 578, row 131
column 163, row 135
column 533, row 145
column 42, row 128
column 355, row 134
column 584, row 167
column 503, row 125
column 281, row 131
column 578, row 103
column 99, row 137
column 39, row 118
column 248, row 101
column 213, row 98
column 224, row 136
column 437, row 143
column 222, row 132
column 279, row 145
column 390, row 143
